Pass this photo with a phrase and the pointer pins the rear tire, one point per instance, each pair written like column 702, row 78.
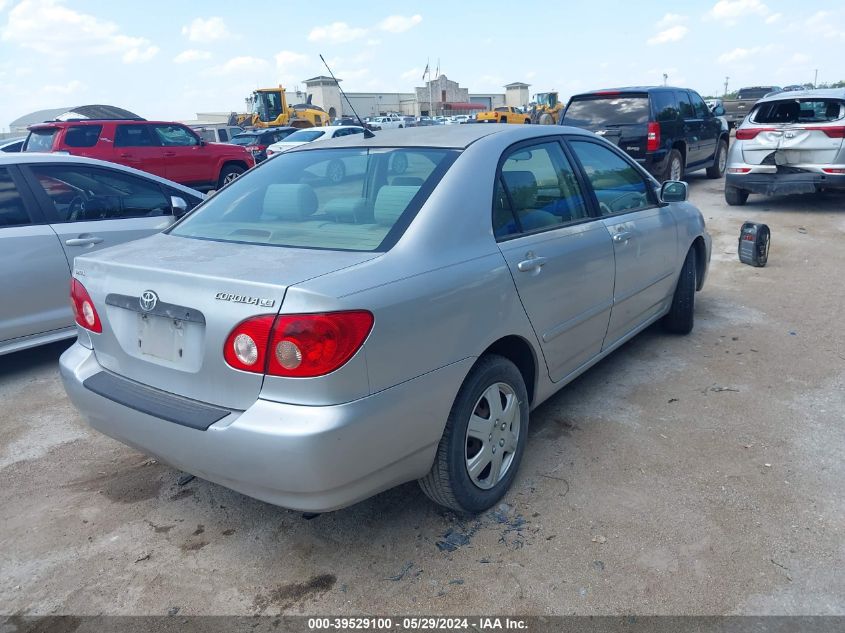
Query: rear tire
column 228, row 174
column 674, row 166
column 735, row 197
column 449, row 482
column 720, row 161
column 680, row 318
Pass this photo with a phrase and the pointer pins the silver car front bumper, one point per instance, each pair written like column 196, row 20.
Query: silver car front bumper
column 309, row 458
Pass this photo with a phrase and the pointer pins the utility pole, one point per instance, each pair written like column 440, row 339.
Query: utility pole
column 665, row 77
column 726, row 86
column 816, row 78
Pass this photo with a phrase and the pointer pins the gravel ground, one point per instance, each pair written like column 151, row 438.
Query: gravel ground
column 691, row 475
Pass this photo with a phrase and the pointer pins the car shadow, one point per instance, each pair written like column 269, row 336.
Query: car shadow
column 34, row 358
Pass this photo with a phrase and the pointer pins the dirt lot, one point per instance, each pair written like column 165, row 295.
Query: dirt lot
column 693, row 475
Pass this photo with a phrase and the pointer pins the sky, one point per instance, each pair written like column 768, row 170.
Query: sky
column 170, row 60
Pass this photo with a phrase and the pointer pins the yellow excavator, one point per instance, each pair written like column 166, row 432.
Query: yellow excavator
column 268, row 107
column 546, row 108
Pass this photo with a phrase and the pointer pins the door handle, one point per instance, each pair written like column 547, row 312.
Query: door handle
column 84, row 241
column 533, row 263
column 126, row 156
column 622, row 237
column 169, row 154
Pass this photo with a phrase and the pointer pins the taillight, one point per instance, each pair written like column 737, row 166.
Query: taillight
column 748, row 133
column 833, row 170
column 653, row 143
column 307, row 345
column 297, row 345
column 832, row 132
column 246, row 345
column 739, row 170
column 83, row 308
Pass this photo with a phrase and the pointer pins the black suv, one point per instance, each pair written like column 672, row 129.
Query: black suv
column 669, row 131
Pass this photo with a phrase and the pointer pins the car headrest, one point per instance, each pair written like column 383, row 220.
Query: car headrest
column 522, row 185
column 391, row 202
column 289, row 202
column 347, row 209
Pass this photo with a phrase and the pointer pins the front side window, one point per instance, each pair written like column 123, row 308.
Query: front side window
column 134, row 136
column 536, row 190
column 12, row 210
column 84, row 193
column 175, row 135
column 618, row 186
column 224, row 135
column 341, row 199
column 699, row 107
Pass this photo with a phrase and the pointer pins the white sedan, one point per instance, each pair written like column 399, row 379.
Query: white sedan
column 309, row 135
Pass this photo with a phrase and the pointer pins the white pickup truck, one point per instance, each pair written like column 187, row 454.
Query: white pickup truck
column 389, row 122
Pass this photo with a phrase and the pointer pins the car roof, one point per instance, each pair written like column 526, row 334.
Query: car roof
column 46, row 124
column 626, row 89
column 39, row 158
column 449, row 137
column 829, row 93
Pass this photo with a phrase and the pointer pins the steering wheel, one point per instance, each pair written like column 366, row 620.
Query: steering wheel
column 76, row 209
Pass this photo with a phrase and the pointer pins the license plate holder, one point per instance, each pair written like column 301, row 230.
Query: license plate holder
column 161, row 337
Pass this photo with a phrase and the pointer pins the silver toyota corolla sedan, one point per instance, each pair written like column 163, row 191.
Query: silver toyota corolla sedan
column 311, row 343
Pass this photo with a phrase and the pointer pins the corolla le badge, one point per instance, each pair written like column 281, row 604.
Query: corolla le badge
column 256, row 301
column 148, row 300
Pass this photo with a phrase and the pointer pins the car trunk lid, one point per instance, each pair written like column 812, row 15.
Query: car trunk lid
column 202, row 290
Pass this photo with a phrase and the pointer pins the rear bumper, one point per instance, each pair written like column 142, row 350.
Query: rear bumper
column 309, row 458
column 775, row 183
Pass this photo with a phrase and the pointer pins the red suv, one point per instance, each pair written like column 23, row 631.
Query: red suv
column 170, row 150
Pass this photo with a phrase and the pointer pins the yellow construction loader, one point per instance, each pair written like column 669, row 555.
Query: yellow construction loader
column 546, row 108
column 268, row 107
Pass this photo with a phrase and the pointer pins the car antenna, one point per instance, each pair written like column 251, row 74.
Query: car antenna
column 367, row 132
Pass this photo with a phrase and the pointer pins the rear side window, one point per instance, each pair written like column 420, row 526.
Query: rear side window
column 12, row 210
column 82, row 135
column 665, row 106
column 618, row 186
column 341, row 199
column 40, row 140
column 134, row 136
column 536, row 190
column 600, row 111
column 799, row 111
column 81, row 193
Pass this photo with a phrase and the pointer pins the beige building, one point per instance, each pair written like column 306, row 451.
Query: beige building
column 516, row 94
column 440, row 96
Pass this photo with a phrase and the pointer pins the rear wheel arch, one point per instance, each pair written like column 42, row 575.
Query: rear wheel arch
column 520, row 352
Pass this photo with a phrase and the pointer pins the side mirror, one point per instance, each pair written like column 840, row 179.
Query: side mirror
column 674, row 191
column 178, row 206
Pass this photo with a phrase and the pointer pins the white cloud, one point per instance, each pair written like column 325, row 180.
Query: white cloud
column 2, row 4
column 63, row 89
column 286, row 59
column 50, row 28
column 239, row 65
column 191, row 55
column 799, row 58
column 774, row 17
column 672, row 34
column 670, row 19
column 730, row 10
column 399, row 23
column 413, row 73
column 206, row 30
column 739, row 54
column 337, row 32
column 826, row 24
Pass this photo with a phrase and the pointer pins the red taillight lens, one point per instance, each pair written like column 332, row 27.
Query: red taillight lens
column 307, row 345
column 746, row 134
column 833, row 170
column 83, row 308
column 297, row 345
column 832, row 132
column 246, row 345
column 653, row 143
column 739, row 170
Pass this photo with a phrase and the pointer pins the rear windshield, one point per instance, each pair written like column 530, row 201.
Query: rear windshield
column 40, row 140
column 304, row 136
column 351, row 199
column 799, row 111
column 607, row 111
column 245, row 139
column 756, row 93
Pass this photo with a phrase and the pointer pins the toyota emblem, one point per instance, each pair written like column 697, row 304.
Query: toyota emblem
column 148, row 300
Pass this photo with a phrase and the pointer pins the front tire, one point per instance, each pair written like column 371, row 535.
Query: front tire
column 485, row 436
column 735, row 197
column 717, row 170
column 228, row 174
column 680, row 318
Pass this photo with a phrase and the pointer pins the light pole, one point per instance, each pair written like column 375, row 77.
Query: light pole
column 665, row 77
column 816, row 78
column 726, row 87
